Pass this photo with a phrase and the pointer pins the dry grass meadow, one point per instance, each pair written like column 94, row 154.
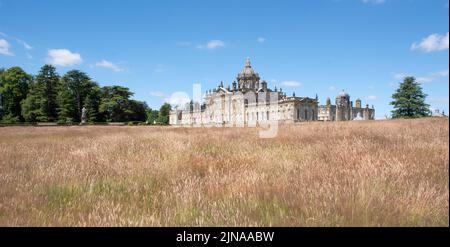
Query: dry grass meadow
column 369, row 173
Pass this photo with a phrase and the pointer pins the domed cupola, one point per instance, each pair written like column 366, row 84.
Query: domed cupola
column 343, row 95
column 248, row 78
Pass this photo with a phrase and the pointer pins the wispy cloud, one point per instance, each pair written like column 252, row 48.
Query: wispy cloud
column 20, row 41
column 261, row 40
column 393, row 84
column 332, row 88
column 178, row 99
column 372, row 97
column 434, row 42
column 5, row 48
column 291, row 83
column 157, row 94
column 212, row 44
column 63, row 57
column 375, row 2
column 109, row 65
column 440, row 100
column 423, row 79
column 24, row 44
column 399, row 76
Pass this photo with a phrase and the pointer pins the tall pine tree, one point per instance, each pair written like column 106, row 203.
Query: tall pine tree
column 409, row 100
column 1, row 104
column 78, row 86
column 32, row 105
column 92, row 104
column 40, row 104
column 66, row 104
column 48, row 80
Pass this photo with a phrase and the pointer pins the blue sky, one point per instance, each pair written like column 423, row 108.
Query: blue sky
column 157, row 48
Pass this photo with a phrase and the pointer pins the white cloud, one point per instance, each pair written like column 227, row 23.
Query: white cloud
column 441, row 100
column 434, row 42
column 393, row 84
column 4, row 48
column 422, row 79
column 24, row 44
column 400, row 76
column 109, row 65
column 21, row 42
column 212, row 44
column 157, row 94
column 261, row 40
column 63, row 57
column 291, row 83
column 178, row 99
column 372, row 97
column 332, row 88
column 373, row 1
column 443, row 73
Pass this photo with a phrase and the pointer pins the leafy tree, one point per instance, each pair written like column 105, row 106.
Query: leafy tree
column 92, row 104
column 48, row 81
column 78, row 85
column 1, row 104
column 115, row 103
column 66, row 104
column 40, row 104
column 152, row 116
column 138, row 111
column 409, row 100
column 164, row 111
column 14, row 88
column 32, row 104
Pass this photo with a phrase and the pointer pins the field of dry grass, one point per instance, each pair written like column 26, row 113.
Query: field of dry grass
column 375, row 173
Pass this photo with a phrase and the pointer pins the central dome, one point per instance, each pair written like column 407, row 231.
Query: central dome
column 343, row 94
column 248, row 78
column 248, row 71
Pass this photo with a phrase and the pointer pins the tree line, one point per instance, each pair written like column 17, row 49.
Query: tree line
column 48, row 97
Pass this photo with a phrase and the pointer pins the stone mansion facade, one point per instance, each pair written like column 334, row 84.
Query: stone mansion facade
column 343, row 110
column 249, row 102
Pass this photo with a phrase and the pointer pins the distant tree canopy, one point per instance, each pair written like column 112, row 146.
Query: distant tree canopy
column 14, row 84
column 40, row 103
column 409, row 100
column 47, row 97
column 116, row 105
column 163, row 116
